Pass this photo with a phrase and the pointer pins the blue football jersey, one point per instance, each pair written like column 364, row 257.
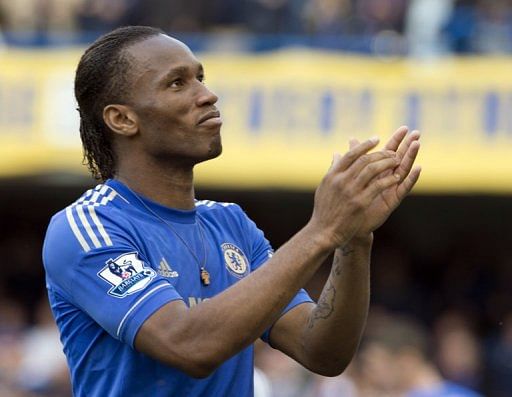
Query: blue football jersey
column 110, row 264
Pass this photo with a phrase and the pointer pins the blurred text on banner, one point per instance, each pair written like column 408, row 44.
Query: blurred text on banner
column 285, row 114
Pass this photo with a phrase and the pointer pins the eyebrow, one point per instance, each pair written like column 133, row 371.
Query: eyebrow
column 181, row 70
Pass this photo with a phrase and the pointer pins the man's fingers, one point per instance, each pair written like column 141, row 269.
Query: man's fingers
column 408, row 160
column 404, row 147
column 354, row 153
column 367, row 159
column 352, row 143
column 381, row 184
column 406, row 186
column 396, row 138
column 375, row 168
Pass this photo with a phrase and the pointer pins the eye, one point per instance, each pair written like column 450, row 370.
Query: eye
column 201, row 78
column 176, row 83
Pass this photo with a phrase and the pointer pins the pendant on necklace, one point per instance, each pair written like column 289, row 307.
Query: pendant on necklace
column 205, row 276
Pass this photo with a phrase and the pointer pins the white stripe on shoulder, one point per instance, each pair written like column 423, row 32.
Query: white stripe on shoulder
column 99, row 225
column 118, row 333
column 210, row 203
column 90, row 194
column 199, row 203
column 95, row 196
column 76, row 231
column 110, row 197
column 85, row 196
column 87, row 226
column 104, row 189
column 101, row 195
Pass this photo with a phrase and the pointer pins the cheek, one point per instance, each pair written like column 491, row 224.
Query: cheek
column 164, row 113
column 175, row 118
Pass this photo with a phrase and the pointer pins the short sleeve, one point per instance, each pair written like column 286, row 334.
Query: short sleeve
column 115, row 285
column 120, row 290
column 259, row 247
column 301, row 297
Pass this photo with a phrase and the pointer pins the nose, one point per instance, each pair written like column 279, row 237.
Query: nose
column 206, row 97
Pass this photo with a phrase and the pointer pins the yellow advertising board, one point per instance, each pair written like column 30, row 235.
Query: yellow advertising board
column 285, row 114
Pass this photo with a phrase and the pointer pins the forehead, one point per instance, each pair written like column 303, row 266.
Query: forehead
column 158, row 54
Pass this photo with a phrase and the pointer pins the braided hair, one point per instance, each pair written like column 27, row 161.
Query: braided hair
column 103, row 77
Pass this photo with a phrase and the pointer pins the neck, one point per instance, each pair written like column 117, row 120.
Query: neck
column 172, row 187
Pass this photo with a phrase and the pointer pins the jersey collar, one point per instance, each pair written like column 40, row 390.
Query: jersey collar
column 137, row 200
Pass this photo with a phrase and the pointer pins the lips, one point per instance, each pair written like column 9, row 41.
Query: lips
column 210, row 115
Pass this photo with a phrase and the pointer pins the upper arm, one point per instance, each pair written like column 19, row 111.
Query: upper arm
column 288, row 332
column 164, row 336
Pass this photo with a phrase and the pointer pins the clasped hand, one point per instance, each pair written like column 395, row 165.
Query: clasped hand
column 362, row 188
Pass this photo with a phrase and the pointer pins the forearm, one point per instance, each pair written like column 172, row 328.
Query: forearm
column 335, row 325
column 218, row 328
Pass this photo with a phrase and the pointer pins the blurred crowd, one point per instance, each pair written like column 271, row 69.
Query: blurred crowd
column 31, row 359
column 422, row 28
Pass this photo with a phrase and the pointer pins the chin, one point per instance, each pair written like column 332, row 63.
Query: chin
column 215, row 151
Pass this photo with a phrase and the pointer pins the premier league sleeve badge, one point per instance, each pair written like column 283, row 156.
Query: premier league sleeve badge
column 126, row 274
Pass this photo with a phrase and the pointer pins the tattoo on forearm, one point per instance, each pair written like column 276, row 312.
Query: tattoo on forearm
column 347, row 250
column 337, row 265
column 325, row 305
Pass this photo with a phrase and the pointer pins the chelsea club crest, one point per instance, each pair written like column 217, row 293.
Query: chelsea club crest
column 235, row 260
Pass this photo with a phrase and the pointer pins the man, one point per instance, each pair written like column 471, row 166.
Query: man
column 157, row 294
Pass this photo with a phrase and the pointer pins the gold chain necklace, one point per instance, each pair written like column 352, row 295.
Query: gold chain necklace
column 204, row 275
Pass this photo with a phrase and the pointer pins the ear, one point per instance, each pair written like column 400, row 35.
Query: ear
column 121, row 119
